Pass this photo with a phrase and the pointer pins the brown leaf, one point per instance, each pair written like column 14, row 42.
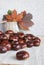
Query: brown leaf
column 28, row 17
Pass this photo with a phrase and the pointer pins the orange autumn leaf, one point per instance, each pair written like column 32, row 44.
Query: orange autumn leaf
column 19, row 17
column 8, row 17
column 14, row 14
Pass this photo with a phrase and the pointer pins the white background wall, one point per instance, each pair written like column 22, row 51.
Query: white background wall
column 36, row 7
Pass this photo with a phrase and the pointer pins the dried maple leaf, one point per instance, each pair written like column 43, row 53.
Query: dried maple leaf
column 14, row 14
column 28, row 17
column 25, row 24
column 19, row 17
column 8, row 17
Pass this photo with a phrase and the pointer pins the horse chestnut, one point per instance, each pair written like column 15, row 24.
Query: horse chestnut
column 21, row 55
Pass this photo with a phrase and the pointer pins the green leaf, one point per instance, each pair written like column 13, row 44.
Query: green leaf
column 9, row 12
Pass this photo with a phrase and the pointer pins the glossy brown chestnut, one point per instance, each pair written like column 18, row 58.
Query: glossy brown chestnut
column 16, row 47
column 29, row 44
column 36, row 41
column 9, row 32
column 21, row 35
column 21, row 41
column 21, row 55
column 13, row 37
column 23, row 45
column 7, row 44
column 4, row 36
column 30, row 36
column 3, row 49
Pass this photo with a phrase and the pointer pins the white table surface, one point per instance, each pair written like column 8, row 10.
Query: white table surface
column 36, row 56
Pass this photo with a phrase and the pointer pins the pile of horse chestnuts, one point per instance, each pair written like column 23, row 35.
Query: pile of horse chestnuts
column 15, row 41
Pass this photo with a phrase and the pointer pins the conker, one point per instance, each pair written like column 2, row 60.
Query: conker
column 24, row 45
column 7, row 44
column 16, row 47
column 21, row 55
column 21, row 41
column 9, row 32
column 21, row 35
column 3, row 49
column 13, row 37
column 30, row 36
column 29, row 44
column 36, row 41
